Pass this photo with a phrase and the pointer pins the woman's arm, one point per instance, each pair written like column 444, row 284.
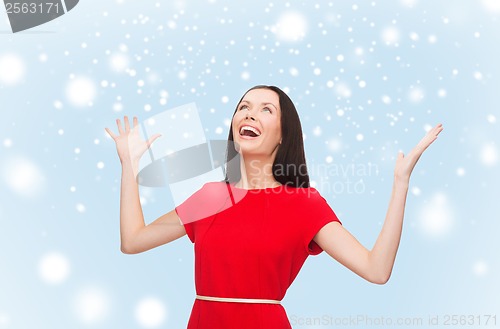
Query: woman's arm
column 131, row 216
column 383, row 254
column 376, row 265
column 134, row 234
column 136, row 237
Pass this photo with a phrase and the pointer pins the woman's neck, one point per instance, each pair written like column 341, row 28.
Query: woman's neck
column 256, row 173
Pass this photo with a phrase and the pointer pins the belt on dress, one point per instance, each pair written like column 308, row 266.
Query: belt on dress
column 239, row 300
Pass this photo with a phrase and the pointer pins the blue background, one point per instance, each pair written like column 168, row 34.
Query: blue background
column 367, row 78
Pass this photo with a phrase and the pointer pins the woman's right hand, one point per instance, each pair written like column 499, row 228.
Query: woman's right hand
column 129, row 145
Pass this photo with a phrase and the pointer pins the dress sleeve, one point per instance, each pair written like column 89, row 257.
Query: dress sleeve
column 209, row 200
column 187, row 226
column 188, row 211
column 319, row 214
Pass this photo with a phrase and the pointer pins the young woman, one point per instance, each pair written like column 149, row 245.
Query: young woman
column 253, row 231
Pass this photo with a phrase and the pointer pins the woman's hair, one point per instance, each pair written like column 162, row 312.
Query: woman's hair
column 289, row 166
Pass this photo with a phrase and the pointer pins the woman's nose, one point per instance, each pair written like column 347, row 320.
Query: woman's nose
column 251, row 116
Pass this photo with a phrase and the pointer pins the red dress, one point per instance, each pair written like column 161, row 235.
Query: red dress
column 249, row 244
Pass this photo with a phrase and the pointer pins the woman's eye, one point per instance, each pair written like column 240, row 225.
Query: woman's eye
column 244, row 106
column 267, row 108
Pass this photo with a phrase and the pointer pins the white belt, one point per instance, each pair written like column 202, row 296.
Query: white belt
column 239, row 300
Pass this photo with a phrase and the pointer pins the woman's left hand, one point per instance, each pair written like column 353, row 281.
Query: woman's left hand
column 405, row 164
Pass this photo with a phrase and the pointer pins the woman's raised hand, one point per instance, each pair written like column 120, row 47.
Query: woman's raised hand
column 405, row 164
column 129, row 145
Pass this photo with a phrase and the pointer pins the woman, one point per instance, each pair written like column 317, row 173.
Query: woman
column 253, row 231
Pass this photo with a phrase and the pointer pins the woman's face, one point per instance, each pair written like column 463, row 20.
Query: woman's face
column 259, row 109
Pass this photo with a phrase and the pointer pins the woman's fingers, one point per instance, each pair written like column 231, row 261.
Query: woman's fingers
column 434, row 132
column 152, row 139
column 411, row 159
column 110, row 133
column 430, row 137
column 439, row 128
column 127, row 124
column 127, row 129
column 120, row 130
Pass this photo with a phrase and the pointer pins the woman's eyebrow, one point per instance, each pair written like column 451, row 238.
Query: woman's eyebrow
column 269, row 104
column 245, row 101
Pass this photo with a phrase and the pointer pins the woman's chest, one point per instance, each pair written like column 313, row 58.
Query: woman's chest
column 252, row 229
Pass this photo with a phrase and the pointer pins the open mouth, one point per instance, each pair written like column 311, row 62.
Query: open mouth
column 251, row 132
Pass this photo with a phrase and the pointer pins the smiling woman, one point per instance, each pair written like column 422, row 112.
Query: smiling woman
column 253, row 231
column 259, row 161
column 258, row 120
